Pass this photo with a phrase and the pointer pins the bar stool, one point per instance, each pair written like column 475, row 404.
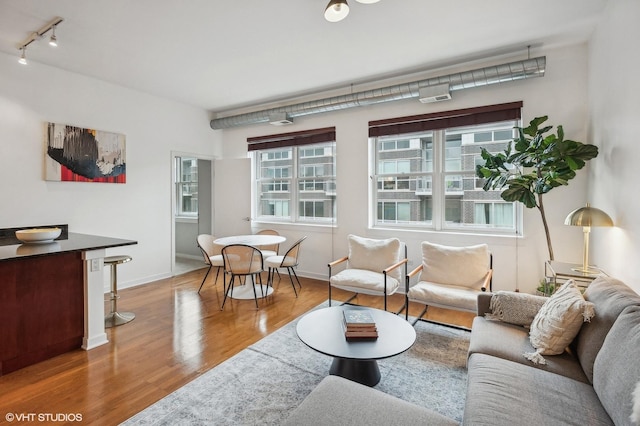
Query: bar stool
column 115, row 318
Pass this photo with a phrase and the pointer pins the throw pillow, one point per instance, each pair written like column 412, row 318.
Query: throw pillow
column 374, row 255
column 515, row 308
column 635, row 414
column 461, row 266
column 558, row 322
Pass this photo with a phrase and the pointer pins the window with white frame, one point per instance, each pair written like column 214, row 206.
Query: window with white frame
column 426, row 178
column 296, row 182
column 186, row 185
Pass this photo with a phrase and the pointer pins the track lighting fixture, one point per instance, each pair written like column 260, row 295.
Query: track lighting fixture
column 53, row 41
column 37, row 35
column 23, row 58
column 337, row 10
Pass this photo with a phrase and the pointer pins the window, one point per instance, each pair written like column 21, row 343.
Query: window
column 186, row 180
column 426, row 178
column 295, row 177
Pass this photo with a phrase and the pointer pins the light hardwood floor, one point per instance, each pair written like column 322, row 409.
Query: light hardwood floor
column 177, row 335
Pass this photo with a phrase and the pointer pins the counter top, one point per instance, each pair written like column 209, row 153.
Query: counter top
column 73, row 242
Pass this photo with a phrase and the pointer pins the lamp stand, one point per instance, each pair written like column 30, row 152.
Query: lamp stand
column 585, row 254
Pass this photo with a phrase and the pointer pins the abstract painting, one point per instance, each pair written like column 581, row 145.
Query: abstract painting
column 74, row 154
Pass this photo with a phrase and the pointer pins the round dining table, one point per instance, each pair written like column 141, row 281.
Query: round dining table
column 250, row 240
column 256, row 240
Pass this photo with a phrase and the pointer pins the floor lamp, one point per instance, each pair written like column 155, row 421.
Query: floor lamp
column 587, row 217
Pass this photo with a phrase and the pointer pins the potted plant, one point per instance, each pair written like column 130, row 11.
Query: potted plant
column 533, row 165
column 545, row 287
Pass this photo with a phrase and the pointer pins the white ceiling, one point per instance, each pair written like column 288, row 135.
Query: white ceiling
column 222, row 55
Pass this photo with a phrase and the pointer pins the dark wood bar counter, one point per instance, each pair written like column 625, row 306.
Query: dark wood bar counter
column 51, row 298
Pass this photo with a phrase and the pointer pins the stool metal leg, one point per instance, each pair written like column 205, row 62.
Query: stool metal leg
column 115, row 318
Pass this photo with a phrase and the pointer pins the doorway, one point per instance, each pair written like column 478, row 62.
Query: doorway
column 192, row 209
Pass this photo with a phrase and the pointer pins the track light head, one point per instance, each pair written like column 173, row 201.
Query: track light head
column 336, row 10
column 23, row 58
column 53, row 41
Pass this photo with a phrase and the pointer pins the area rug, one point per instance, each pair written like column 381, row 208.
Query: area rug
column 262, row 384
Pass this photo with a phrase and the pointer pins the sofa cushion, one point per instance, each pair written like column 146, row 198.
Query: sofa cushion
column 558, row 321
column 616, row 369
column 510, row 341
column 610, row 297
column 340, row 401
column 459, row 266
column 374, row 255
column 501, row 392
column 635, row 412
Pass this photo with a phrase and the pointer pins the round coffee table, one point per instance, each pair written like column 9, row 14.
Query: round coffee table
column 322, row 331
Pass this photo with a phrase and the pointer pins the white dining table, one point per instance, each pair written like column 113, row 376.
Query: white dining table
column 245, row 291
column 250, row 240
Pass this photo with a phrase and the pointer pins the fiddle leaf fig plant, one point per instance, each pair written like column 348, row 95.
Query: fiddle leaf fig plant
column 533, row 165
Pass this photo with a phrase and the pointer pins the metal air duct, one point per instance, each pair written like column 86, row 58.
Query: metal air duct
column 494, row 74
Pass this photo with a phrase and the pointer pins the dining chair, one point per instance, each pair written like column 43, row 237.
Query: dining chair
column 271, row 249
column 212, row 254
column 242, row 261
column 289, row 261
column 372, row 267
column 450, row 278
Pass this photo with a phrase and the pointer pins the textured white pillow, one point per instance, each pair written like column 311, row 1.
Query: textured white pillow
column 461, row 266
column 558, row 322
column 515, row 308
column 374, row 255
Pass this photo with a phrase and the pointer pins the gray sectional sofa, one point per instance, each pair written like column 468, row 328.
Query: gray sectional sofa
column 590, row 384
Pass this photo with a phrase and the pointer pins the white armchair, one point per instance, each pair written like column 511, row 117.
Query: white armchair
column 373, row 268
column 450, row 277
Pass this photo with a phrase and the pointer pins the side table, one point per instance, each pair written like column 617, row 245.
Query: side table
column 556, row 273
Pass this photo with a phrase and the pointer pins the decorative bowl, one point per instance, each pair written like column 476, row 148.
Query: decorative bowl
column 38, row 235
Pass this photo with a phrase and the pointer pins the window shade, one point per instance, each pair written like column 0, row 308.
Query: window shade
column 446, row 119
column 305, row 137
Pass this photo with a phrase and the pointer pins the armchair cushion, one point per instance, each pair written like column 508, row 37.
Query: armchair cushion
column 450, row 296
column 444, row 265
column 374, row 255
column 364, row 281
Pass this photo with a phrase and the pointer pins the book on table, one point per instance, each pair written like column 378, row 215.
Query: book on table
column 359, row 324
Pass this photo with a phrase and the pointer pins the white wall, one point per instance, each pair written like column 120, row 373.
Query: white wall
column 138, row 210
column 614, row 100
column 561, row 94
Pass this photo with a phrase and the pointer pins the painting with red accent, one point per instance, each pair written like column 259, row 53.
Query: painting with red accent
column 75, row 154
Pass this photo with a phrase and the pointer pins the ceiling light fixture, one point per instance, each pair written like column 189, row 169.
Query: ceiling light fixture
column 53, row 41
column 337, row 10
column 37, row 35
column 23, row 58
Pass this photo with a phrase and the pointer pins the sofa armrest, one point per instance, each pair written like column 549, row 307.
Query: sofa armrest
column 484, row 303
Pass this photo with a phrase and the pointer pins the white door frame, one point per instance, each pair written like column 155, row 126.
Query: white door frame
column 175, row 154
